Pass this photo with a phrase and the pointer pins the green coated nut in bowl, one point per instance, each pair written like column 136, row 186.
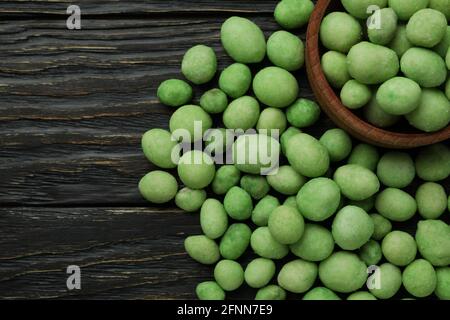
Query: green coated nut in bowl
column 426, row 28
column 365, row 155
column 356, row 182
column 399, row 96
column 199, row 64
column 158, row 186
column 174, row 92
column 405, row 9
column 361, row 8
column 334, row 66
column 375, row 115
column 339, row 31
column 386, row 30
column 400, row 43
column 355, row 95
column 196, row 169
column 235, row 80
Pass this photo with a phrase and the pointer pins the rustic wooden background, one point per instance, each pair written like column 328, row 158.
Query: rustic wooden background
column 73, row 106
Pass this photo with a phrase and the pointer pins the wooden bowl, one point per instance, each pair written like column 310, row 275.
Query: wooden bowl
column 333, row 107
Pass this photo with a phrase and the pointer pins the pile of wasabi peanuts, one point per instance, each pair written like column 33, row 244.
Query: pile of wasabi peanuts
column 333, row 207
column 392, row 63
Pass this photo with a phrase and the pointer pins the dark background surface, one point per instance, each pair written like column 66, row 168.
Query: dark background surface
column 73, row 106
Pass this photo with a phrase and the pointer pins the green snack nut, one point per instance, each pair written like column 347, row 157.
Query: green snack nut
column 365, row 155
column 259, row 272
column 235, row 80
column 265, row 245
column 400, row 43
column 361, row 295
column 307, row 155
column 292, row 14
column 431, row 200
column 433, row 163
column 433, row 113
column 229, row 275
column 377, row 116
column 213, row 219
column 355, row 95
column 271, row 292
column 399, row 248
column 382, row 226
column 288, row 134
column 286, row 181
column 370, row 253
column 256, row 186
column 303, row 113
column 360, row 8
column 442, row 6
column 433, row 242
column 202, row 249
column 196, row 169
column 396, row 169
column 199, row 64
column 243, row 40
column 399, row 96
column 275, row 87
column 318, row 199
column 388, row 25
column 424, row 66
column 316, row 244
column 339, row 31
column 419, row 278
column 271, row 121
column 291, row 202
column 297, row 276
column 190, row 200
column 174, row 92
column 158, row 186
column 320, row 293
column 442, row 290
column 286, row 225
column 238, row 204
column 366, row 204
column 356, row 182
column 442, row 47
column 390, row 278
column 263, row 209
column 242, row 113
column 365, row 59
column 352, row 228
column 343, row 272
column 286, row 50
column 334, row 66
column 338, row 144
column 226, row 177
column 209, row 290
column 218, row 140
column 235, row 241
column 214, row 101
column 426, row 28
column 395, row 204
column 185, row 118
column 405, row 9
column 158, row 146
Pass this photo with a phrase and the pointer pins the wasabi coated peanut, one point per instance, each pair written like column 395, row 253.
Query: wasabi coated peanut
column 238, row 204
column 229, row 275
column 297, row 276
column 271, row 292
column 259, row 272
column 213, row 219
column 426, row 28
column 303, row 113
column 433, row 163
column 399, row 248
column 256, row 186
column 243, row 40
column 396, row 169
column 209, row 290
column 405, row 9
column 356, row 182
column 196, row 169
column 442, row 290
column 382, row 226
column 185, row 118
column 343, row 272
column 359, row 8
column 263, row 209
column 320, row 293
column 214, row 101
column 242, row 113
column 307, row 155
column 288, row 134
column 364, row 60
column 395, row 204
column 442, row 47
column 433, row 241
column 190, row 200
column 377, row 116
column 271, row 121
column 158, row 146
column 235, row 80
column 158, row 187
column 365, row 155
column 361, row 295
column 334, row 66
column 399, row 96
column 390, row 278
column 291, row 202
column 199, row 64
column 202, row 249
column 291, row 14
column 286, row 225
column 174, row 92
column 339, row 31
column 338, row 144
column 265, row 245
column 286, row 50
column 370, row 253
column 419, row 278
column 431, row 200
column 226, row 177
column 355, row 95
column 275, row 87
column 433, row 112
column 400, row 43
column 235, row 241
column 286, row 181
column 316, row 244
column 366, row 204
column 318, row 199
column 388, row 25
column 424, row 66
column 442, row 6
column 352, row 228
